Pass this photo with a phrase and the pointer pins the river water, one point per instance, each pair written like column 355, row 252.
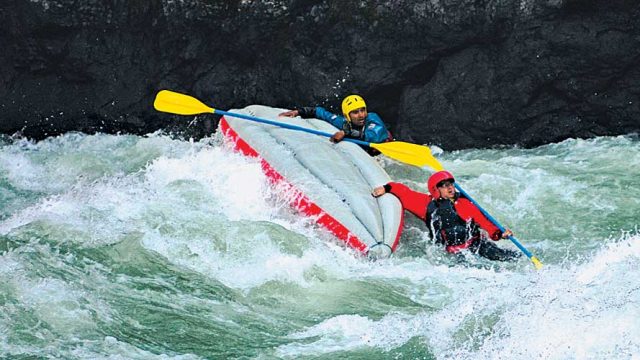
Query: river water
column 130, row 247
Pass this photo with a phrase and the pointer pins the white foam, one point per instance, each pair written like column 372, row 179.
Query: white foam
column 607, row 261
column 587, row 311
column 58, row 304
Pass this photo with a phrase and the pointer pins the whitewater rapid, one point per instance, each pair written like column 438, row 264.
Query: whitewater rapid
column 154, row 247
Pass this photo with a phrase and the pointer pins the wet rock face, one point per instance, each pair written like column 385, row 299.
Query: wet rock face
column 457, row 73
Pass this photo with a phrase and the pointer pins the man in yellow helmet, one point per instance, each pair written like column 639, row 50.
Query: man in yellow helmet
column 355, row 122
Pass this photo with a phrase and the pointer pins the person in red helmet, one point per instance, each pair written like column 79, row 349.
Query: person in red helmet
column 453, row 220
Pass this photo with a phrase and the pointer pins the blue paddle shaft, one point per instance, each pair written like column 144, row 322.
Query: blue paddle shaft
column 494, row 221
column 288, row 126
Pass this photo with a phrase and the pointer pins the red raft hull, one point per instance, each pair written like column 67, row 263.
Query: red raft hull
column 301, row 202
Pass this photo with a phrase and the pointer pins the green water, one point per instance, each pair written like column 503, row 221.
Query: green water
column 126, row 247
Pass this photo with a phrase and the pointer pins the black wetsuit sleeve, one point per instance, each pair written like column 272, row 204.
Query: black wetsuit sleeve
column 307, row 112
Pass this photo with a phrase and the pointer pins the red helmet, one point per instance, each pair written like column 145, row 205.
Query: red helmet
column 435, row 179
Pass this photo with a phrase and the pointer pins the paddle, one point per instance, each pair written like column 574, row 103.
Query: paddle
column 181, row 104
column 513, row 239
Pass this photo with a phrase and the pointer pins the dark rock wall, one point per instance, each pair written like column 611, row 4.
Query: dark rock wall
column 457, row 73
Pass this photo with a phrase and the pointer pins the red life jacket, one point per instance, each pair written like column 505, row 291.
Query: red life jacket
column 460, row 212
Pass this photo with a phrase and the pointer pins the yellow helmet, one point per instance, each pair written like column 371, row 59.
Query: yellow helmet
column 350, row 103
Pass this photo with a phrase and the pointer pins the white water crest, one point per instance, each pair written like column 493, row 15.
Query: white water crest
column 588, row 310
column 154, row 247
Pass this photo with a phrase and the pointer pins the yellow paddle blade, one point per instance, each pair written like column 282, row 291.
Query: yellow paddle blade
column 181, row 104
column 408, row 153
column 536, row 262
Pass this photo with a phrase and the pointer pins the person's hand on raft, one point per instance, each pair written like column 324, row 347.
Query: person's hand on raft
column 337, row 137
column 290, row 113
column 378, row 191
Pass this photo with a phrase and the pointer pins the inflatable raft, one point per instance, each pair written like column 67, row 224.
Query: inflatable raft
column 330, row 183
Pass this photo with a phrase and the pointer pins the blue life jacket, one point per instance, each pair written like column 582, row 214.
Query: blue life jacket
column 374, row 130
